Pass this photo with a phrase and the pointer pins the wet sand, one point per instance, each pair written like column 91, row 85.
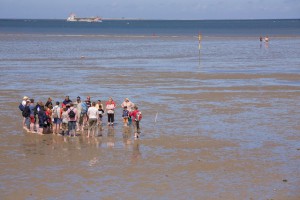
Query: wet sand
column 238, row 139
column 227, row 120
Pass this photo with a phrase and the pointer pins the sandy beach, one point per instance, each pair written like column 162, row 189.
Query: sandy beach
column 240, row 142
column 219, row 124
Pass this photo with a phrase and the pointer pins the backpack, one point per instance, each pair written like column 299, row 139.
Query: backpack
column 138, row 116
column 26, row 111
column 55, row 114
column 21, row 107
column 84, row 108
column 71, row 113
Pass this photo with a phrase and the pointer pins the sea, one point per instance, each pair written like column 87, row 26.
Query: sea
column 220, row 111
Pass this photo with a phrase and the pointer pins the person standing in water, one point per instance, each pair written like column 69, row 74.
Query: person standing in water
column 267, row 39
column 93, row 115
column 129, row 106
column 136, row 116
column 110, row 110
column 56, row 118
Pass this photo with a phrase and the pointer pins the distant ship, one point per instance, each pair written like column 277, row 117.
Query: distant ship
column 73, row 18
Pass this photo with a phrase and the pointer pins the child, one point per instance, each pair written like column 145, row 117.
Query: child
column 101, row 112
column 136, row 116
column 64, row 118
column 125, row 116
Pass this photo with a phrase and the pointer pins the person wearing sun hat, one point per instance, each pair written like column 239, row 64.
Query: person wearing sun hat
column 129, row 106
column 25, row 98
column 127, row 103
column 22, row 106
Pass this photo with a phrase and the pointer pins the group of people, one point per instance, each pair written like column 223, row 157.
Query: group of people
column 70, row 117
column 266, row 39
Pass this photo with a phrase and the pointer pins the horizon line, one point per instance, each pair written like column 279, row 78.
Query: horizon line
column 145, row 19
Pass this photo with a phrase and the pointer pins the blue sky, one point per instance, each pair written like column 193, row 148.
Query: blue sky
column 152, row 9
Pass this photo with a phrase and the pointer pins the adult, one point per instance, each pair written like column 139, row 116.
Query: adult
column 128, row 104
column 88, row 101
column 42, row 118
column 83, row 115
column 78, row 106
column 267, row 39
column 66, row 101
column 23, row 104
column 32, row 115
column 26, row 115
column 25, row 98
column 93, row 115
column 72, row 114
column 49, row 102
column 56, row 115
column 39, row 105
column 110, row 110
column 49, row 127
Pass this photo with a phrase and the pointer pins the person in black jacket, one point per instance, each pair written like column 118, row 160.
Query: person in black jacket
column 42, row 118
column 26, row 115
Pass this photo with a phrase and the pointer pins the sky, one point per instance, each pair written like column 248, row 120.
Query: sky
column 151, row 9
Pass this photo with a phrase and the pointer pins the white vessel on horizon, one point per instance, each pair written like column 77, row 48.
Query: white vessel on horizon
column 73, row 18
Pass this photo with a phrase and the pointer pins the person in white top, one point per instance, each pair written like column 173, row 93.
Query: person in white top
column 128, row 104
column 56, row 117
column 93, row 115
column 130, row 107
column 79, row 121
column 110, row 110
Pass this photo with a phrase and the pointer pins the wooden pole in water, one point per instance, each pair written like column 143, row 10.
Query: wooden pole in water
column 199, row 45
column 155, row 117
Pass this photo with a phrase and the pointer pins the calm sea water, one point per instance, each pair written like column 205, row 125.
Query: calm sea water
column 218, row 109
column 157, row 27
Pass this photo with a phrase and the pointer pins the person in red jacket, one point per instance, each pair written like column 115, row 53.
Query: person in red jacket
column 136, row 116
